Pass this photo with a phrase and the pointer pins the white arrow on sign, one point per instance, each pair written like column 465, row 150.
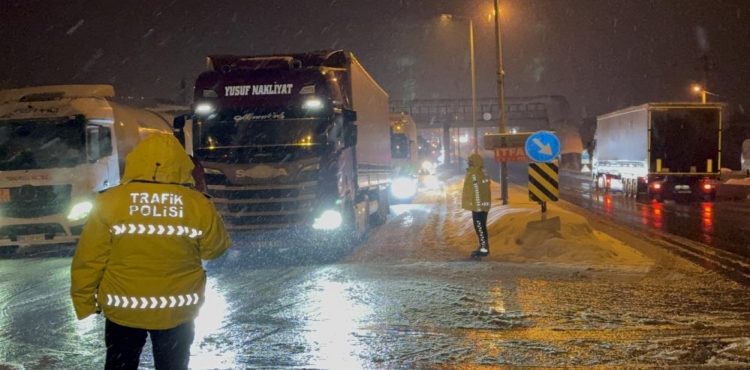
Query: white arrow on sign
column 544, row 149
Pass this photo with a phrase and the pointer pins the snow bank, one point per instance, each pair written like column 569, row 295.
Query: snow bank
column 520, row 232
column 745, row 181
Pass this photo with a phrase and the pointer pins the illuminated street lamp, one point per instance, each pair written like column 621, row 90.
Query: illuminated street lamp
column 699, row 90
column 473, row 76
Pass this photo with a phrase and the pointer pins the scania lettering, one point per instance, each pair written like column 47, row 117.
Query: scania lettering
column 59, row 146
column 295, row 147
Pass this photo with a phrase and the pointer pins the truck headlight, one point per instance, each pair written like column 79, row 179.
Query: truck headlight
column 329, row 220
column 80, row 211
column 204, row 108
column 403, row 188
column 313, row 103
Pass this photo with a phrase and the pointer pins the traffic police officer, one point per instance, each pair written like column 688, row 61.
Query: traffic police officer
column 139, row 258
column 476, row 197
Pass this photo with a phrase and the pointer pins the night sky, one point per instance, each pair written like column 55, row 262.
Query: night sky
column 600, row 54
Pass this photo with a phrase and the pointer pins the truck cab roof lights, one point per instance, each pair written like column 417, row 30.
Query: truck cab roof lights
column 204, row 108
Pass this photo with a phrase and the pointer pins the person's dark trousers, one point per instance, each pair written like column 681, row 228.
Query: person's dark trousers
column 171, row 347
column 480, row 226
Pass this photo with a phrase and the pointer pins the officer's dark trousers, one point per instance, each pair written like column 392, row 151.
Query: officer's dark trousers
column 480, row 226
column 171, row 347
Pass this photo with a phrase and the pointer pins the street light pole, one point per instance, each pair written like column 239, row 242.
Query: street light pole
column 473, row 86
column 501, row 101
column 699, row 89
column 473, row 78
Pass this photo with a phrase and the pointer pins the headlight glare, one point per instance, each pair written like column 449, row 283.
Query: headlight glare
column 328, row 220
column 80, row 211
column 404, row 188
column 204, row 108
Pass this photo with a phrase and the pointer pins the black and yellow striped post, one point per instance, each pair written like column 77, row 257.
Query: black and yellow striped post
column 543, row 183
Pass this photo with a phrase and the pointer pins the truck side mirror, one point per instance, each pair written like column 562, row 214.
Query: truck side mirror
column 178, row 125
column 350, row 135
column 179, row 122
column 349, row 115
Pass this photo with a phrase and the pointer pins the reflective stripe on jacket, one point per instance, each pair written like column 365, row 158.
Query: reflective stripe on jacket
column 139, row 256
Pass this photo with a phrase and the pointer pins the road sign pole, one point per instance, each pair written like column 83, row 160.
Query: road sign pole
column 544, row 206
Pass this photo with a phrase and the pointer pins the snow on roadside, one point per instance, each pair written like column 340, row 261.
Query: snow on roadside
column 745, row 181
column 519, row 232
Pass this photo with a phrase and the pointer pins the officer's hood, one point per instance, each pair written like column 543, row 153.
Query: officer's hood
column 159, row 158
column 475, row 161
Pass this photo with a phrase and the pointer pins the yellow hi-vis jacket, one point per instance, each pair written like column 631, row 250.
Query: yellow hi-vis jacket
column 476, row 194
column 139, row 257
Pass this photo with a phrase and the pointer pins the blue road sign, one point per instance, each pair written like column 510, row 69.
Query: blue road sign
column 542, row 146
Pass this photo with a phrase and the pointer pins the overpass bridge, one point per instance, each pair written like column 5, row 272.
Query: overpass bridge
column 523, row 114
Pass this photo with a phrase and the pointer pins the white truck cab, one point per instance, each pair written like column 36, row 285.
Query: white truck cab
column 59, row 147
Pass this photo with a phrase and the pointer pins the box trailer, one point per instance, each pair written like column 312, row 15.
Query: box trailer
column 660, row 151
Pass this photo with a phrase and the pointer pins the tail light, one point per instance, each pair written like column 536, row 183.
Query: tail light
column 656, row 186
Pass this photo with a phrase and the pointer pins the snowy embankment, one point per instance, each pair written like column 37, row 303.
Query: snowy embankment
column 520, row 232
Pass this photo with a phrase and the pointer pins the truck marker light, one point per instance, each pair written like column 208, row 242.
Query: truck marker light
column 707, row 186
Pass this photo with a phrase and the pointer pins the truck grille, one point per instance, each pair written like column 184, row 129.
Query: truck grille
column 36, row 201
column 13, row 231
column 263, row 206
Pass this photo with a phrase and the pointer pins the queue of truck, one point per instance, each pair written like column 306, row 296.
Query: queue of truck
column 296, row 148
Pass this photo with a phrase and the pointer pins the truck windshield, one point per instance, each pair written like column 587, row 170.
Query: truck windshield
column 42, row 143
column 232, row 140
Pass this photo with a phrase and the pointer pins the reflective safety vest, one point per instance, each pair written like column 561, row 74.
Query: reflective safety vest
column 152, row 302
column 139, row 258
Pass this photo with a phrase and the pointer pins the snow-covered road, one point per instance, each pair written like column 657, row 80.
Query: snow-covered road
column 408, row 297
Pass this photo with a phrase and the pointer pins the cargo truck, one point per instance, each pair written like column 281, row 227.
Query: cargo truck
column 660, row 151
column 296, row 147
column 405, row 157
column 59, row 147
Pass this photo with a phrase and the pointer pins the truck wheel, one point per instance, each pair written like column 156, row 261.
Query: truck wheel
column 350, row 234
column 381, row 215
column 626, row 188
column 630, row 188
